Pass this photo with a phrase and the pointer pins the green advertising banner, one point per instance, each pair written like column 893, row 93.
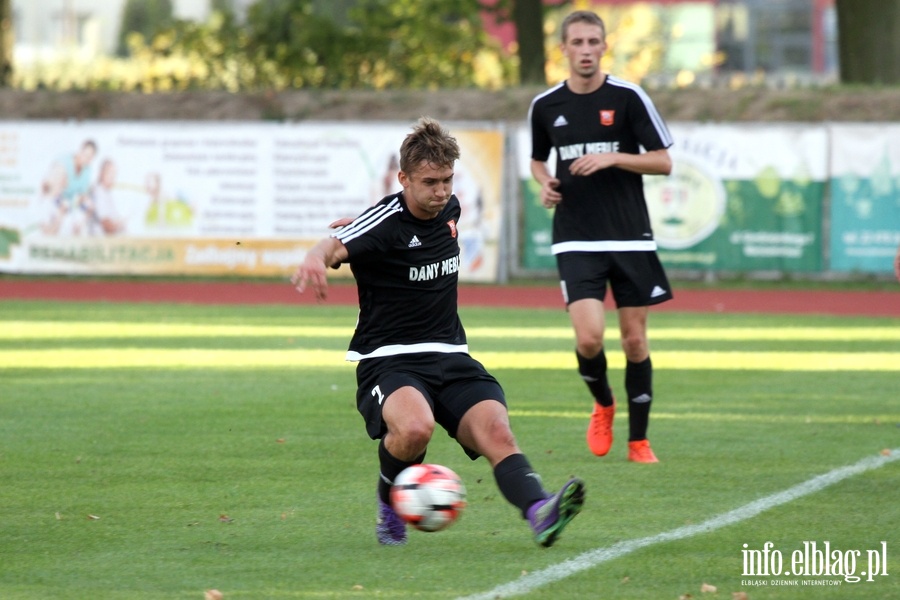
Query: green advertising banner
column 740, row 198
column 538, row 236
column 865, row 197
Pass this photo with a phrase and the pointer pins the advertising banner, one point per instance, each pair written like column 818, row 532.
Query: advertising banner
column 865, row 197
column 214, row 199
column 739, row 198
column 536, row 221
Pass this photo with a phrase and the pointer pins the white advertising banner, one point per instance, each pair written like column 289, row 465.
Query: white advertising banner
column 213, row 199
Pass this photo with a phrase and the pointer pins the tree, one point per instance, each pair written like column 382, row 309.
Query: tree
column 226, row 7
column 869, row 41
column 421, row 43
column 528, row 16
column 6, row 43
column 310, row 49
column 294, row 44
column 382, row 44
column 146, row 17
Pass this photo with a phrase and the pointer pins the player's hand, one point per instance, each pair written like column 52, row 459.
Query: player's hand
column 550, row 195
column 340, row 223
column 591, row 163
column 311, row 273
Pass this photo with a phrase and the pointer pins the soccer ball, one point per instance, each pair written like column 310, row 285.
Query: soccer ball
column 428, row 497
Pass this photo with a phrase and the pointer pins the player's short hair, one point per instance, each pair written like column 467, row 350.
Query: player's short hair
column 428, row 142
column 582, row 16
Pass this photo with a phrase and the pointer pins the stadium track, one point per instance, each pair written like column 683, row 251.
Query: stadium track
column 822, row 302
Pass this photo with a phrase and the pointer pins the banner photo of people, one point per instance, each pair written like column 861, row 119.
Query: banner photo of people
column 197, row 198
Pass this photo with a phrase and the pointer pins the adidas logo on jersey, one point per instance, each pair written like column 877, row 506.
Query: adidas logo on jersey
column 414, row 242
column 657, row 292
column 560, row 121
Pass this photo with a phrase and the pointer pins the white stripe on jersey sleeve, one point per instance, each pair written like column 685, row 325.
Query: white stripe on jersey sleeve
column 655, row 117
column 541, row 95
column 367, row 221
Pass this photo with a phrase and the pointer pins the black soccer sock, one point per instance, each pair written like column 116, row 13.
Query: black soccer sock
column 639, row 387
column 390, row 467
column 518, row 482
column 593, row 371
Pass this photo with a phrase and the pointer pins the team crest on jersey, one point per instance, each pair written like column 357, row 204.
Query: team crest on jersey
column 452, row 225
column 607, row 117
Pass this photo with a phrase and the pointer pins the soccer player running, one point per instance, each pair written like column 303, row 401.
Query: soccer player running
column 414, row 369
column 597, row 124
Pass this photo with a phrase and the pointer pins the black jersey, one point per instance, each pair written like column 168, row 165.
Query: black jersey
column 605, row 211
column 406, row 272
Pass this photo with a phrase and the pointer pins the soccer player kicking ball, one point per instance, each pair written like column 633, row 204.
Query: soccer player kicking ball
column 414, row 369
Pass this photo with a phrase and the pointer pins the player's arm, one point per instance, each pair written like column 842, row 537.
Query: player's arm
column 654, row 162
column 550, row 195
column 312, row 272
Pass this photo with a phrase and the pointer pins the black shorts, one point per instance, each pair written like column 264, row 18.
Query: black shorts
column 452, row 383
column 636, row 278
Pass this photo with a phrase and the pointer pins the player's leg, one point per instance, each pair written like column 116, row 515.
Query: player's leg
column 409, row 421
column 638, row 281
column 398, row 413
column 482, row 428
column 588, row 321
column 485, row 429
column 583, row 280
column 638, row 381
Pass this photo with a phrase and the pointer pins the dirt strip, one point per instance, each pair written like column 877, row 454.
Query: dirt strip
column 864, row 303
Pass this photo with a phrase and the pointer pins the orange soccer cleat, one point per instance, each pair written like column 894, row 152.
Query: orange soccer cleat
column 599, row 433
column 641, row 452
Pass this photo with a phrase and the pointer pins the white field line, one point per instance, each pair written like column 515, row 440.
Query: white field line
column 591, row 559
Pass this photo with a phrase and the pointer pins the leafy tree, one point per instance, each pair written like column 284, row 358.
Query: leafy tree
column 225, row 7
column 528, row 18
column 377, row 44
column 386, row 43
column 869, row 41
column 146, row 17
column 6, row 42
column 422, row 43
column 311, row 50
column 337, row 10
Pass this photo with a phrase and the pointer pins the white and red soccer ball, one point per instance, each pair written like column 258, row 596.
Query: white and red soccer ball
column 428, row 497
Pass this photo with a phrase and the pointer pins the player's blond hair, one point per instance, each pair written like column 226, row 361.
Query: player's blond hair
column 582, row 16
column 429, row 142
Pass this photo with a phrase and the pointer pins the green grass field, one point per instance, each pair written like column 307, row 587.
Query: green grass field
column 157, row 451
